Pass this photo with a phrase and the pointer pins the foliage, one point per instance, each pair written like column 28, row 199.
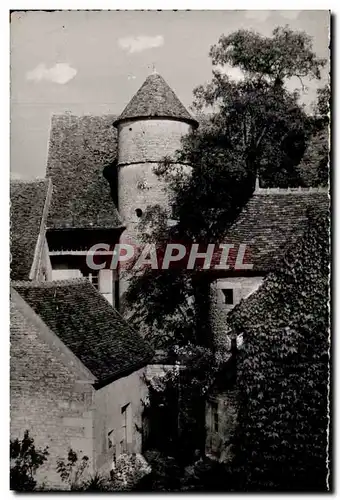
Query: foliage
column 165, row 473
column 283, row 372
column 72, row 471
column 168, row 475
column 25, row 460
column 255, row 125
column 128, row 471
column 314, row 166
column 176, row 409
column 284, row 55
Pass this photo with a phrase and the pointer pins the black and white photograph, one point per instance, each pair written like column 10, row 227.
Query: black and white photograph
column 170, row 251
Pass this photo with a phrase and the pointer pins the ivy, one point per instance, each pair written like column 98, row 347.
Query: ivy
column 283, row 371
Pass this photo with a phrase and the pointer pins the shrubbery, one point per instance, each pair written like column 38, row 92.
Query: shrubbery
column 25, row 460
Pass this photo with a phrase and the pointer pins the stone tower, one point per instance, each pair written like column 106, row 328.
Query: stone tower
column 150, row 128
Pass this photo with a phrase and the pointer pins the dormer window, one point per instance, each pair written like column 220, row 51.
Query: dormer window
column 93, row 278
column 228, row 294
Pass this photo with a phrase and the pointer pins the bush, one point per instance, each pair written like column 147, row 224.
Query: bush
column 25, row 460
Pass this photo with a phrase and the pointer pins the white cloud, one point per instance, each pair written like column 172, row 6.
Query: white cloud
column 290, row 14
column 139, row 43
column 258, row 15
column 131, row 77
column 59, row 73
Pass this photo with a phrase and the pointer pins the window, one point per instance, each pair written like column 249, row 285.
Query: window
column 125, row 411
column 110, row 439
column 228, row 296
column 214, row 417
column 93, row 278
column 139, row 212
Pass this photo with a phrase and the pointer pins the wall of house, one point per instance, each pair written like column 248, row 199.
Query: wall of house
column 218, row 441
column 109, row 401
column 241, row 288
column 47, row 398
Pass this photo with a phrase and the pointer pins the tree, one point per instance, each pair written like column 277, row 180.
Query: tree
column 286, row 54
column 314, row 166
column 25, row 461
column 283, row 371
column 247, row 127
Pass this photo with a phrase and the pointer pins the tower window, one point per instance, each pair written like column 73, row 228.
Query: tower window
column 130, row 129
column 139, row 212
column 228, row 296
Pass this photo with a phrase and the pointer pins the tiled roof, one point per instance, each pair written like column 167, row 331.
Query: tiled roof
column 88, row 325
column 29, row 207
column 155, row 99
column 272, row 219
column 32, row 340
column 79, row 149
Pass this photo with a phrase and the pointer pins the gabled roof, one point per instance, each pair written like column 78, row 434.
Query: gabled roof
column 29, row 209
column 79, row 149
column 27, row 328
column 270, row 220
column 88, row 325
column 156, row 99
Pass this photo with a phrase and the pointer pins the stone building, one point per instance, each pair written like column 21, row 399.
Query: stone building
column 77, row 368
column 271, row 221
column 77, row 373
column 75, row 363
column 99, row 181
column 101, row 168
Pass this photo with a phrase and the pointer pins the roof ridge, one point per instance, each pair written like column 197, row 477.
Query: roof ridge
column 290, row 190
column 50, row 284
column 63, row 114
column 28, row 181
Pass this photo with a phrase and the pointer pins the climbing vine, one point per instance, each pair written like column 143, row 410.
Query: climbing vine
column 283, row 371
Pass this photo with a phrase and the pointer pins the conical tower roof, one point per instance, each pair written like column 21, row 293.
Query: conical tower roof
column 156, row 99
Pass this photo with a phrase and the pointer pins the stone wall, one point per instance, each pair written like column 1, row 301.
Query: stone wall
column 141, row 145
column 109, row 401
column 47, row 398
column 149, row 140
column 241, row 288
column 138, row 188
column 221, row 430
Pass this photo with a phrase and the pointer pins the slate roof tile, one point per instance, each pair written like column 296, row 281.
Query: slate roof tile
column 29, row 205
column 88, row 325
column 156, row 99
column 79, row 149
column 271, row 220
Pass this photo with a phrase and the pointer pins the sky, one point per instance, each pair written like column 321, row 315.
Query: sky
column 93, row 62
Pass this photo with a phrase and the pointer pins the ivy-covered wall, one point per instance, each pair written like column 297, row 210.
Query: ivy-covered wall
column 283, row 371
